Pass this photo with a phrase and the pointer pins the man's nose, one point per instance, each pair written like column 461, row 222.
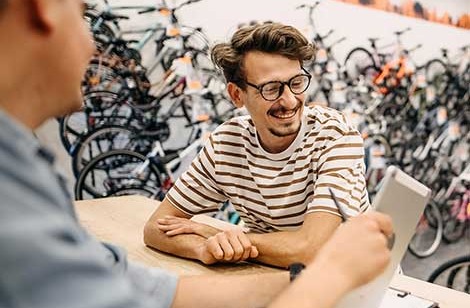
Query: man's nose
column 288, row 99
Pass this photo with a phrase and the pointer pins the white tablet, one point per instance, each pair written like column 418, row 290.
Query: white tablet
column 404, row 199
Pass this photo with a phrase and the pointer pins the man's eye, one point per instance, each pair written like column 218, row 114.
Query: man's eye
column 269, row 88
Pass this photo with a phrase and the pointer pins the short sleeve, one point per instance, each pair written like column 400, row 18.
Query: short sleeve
column 341, row 168
column 196, row 191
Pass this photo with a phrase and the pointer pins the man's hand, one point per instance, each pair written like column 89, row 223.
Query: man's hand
column 358, row 250
column 172, row 225
column 227, row 246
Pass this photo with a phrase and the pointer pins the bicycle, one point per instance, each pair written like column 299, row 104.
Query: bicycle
column 172, row 40
column 456, row 210
column 359, row 59
column 328, row 73
column 454, row 274
column 428, row 233
column 121, row 172
column 131, row 105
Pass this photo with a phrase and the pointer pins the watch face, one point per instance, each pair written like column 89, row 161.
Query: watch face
column 295, row 269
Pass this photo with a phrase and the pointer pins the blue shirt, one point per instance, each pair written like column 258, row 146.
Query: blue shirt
column 46, row 258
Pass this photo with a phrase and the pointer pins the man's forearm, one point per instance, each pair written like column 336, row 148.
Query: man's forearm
column 184, row 245
column 285, row 247
column 316, row 287
column 256, row 290
column 206, row 231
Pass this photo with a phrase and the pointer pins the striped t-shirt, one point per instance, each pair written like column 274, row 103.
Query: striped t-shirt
column 273, row 192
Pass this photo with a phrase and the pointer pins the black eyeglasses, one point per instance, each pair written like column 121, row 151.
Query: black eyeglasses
column 272, row 90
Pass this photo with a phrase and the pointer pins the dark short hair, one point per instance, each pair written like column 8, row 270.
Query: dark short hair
column 274, row 38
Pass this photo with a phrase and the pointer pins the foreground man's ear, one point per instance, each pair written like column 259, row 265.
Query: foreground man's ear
column 44, row 14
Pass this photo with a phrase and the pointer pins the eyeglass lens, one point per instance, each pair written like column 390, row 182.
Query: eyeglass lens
column 273, row 90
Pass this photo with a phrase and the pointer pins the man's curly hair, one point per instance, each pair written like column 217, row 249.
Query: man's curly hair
column 274, row 38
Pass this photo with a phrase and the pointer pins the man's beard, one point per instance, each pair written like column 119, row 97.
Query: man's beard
column 287, row 129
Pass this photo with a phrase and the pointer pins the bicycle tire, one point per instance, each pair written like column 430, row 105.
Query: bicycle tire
column 101, row 75
column 69, row 134
column 454, row 229
column 354, row 69
column 432, row 240
column 433, row 68
column 110, row 186
column 454, row 265
column 102, row 107
column 95, row 143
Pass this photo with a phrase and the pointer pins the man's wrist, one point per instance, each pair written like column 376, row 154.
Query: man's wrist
column 201, row 253
column 332, row 273
column 206, row 231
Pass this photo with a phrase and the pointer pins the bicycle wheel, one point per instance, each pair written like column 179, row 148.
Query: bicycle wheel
column 357, row 61
column 427, row 239
column 119, row 172
column 101, row 75
column 71, row 127
column 100, row 108
column 453, row 274
column 105, row 139
column 454, row 229
column 434, row 70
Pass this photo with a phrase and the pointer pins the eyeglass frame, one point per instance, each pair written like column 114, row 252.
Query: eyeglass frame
column 283, row 83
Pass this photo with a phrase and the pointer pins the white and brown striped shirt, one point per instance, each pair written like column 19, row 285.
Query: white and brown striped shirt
column 273, row 192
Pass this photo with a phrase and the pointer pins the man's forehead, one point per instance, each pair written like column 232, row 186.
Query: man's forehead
column 264, row 67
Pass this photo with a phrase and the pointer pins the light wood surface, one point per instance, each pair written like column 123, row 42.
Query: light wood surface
column 121, row 220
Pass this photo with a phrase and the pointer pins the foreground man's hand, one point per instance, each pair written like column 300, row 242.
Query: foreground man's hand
column 358, row 249
column 355, row 254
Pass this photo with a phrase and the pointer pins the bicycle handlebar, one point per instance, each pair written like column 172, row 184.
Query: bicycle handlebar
column 148, row 10
column 110, row 16
column 328, row 34
column 184, row 4
column 313, row 6
column 463, row 48
column 172, row 11
column 414, row 48
column 337, row 42
column 399, row 33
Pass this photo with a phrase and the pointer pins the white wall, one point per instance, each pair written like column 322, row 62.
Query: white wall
column 219, row 19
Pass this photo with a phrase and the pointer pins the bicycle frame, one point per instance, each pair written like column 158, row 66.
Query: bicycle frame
column 158, row 157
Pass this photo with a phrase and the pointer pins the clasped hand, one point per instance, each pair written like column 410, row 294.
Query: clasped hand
column 231, row 245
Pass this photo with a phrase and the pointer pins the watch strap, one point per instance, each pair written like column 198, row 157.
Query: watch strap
column 295, row 269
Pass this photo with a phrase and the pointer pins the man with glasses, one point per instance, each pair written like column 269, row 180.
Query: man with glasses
column 275, row 166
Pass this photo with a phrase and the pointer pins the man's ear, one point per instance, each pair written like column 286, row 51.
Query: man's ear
column 44, row 14
column 235, row 94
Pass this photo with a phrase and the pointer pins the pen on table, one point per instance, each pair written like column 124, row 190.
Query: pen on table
column 342, row 211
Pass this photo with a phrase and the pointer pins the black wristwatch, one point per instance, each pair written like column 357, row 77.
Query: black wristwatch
column 295, row 269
